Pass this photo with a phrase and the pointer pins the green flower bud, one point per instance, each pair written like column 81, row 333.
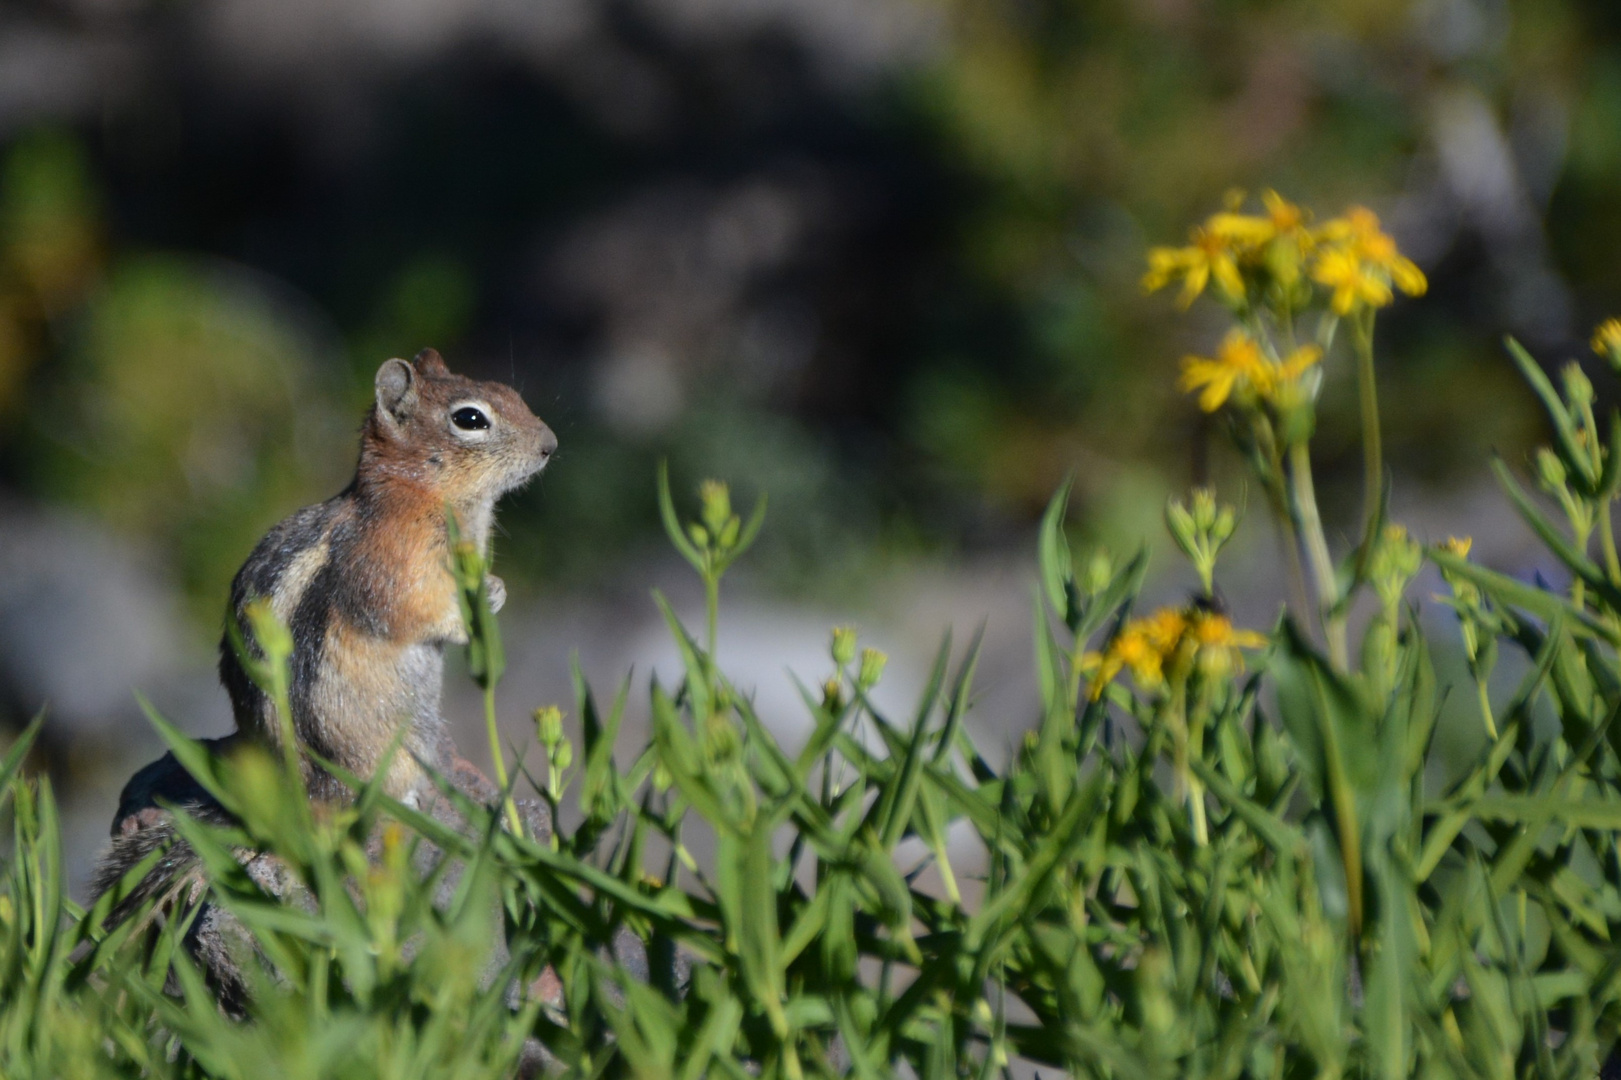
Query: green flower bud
column 715, row 502
column 699, row 534
column 1204, row 509
column 563, row 756
column 721, row 740
column 872, row 668
column 1395, row 559
column 1550, row 469
column 549, row 725
column 844, row 645
column 1578, row 389
column 1181, row 525
column 1099, row 572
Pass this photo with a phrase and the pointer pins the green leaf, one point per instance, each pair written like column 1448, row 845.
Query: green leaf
column 1121, row 589
column 1057, row 569
column 16, row 753
column 1506, row 590
column 599, row 736
column 672, row 523
column 692, row 658
column 745, row 539
column 1570, row 448
column 1578, row 563
column 1279, row 835
column 1534, row 809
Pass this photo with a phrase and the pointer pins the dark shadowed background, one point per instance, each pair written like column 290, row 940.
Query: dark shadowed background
column 878, row 258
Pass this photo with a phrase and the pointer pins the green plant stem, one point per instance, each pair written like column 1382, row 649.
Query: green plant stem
column 1194, row 748
column 1583, row 535
column 1304, row 500
column 514, row 822
column 1373, row 466
column 1073, row 677
column 711, row 612
column 1277, row 492
column 1612, row 564
column 1486, row 708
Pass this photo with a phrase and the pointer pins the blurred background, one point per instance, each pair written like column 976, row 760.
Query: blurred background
column 878, row 258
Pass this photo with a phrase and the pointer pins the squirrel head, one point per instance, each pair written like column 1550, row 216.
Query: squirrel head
column 470, row 442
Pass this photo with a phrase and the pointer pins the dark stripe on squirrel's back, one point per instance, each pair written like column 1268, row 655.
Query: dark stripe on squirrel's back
column 309, row 627
column 260, row 576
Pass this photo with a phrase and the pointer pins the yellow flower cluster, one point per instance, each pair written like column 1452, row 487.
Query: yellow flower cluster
column 1458, row 545
column 1350, row 255
column 1241, row 367
column 1359, row 261
column 1607, row 338
column 1167, row 638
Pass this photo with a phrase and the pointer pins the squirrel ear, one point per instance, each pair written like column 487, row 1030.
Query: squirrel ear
column 430, row 363
column 396, row 389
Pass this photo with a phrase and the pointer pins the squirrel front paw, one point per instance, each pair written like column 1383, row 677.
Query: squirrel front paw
column 497, row 590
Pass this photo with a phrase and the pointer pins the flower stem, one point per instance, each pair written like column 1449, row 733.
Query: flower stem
column 514, row 822
column 711, row 611
column 1486, row 709
column 1612, row 565
column 1310, row 524
column 1373, row 475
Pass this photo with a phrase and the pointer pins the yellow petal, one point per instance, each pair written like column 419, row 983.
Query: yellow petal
column 1408, row 277
column 1198, row 277
column 1228, row 277
column 1300, row 361
column 1241, row 228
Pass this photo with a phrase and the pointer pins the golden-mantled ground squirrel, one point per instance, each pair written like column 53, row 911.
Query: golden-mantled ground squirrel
column 363, row 580
column 364, row 583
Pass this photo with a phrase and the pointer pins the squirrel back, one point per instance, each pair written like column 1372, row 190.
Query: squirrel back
column 363, row 580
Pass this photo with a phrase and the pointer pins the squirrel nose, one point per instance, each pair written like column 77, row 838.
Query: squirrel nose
column 548, row 442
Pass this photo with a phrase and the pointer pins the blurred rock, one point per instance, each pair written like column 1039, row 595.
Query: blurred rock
column 689, row 280
column 83, row 619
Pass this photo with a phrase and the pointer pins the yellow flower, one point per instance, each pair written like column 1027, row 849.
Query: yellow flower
column 1211, row 255
column 1361, row 263
column 1217, row 644
column 1354, row 282
column 1134, row 649
column 1607, row 338
column 1217, row 631
column 1459, row 546
column 1144, row 647
column 1163, row 629
column 1282, row 219
column 1286, row 217
column 1240, row 366
column 1285, row 374
column 1238, row 361
column 1246, row 230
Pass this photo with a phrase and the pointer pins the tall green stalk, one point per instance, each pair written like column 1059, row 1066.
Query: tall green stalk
column 1373, row 465
column 1303, row 499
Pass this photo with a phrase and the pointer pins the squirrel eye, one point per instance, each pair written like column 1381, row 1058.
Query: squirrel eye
column 470, row 419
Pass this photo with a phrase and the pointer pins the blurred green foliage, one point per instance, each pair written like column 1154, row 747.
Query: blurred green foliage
column 987, row 338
